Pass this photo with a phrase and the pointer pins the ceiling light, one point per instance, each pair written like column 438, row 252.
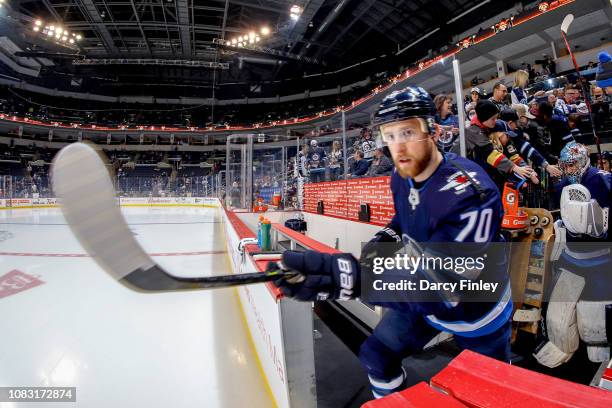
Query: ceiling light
column 38, row 23
column 64, row 38
column 59, row 30
column 78, row 37
column 257, row 39
column 265, row 31
column 294, row 12
column 251, row 35
column 36, row 28
column 50, row 33
column 57, row 35
column 71, row 41
column 251, row 40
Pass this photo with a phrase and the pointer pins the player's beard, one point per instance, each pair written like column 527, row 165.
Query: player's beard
column 414, row 165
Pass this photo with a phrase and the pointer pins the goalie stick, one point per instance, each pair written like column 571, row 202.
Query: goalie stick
column 567, row 21
column 85, row 191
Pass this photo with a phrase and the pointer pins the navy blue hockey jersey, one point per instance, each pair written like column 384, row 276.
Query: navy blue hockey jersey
column 451, row 209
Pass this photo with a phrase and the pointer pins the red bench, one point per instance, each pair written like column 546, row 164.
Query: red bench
column 417, row 396
column 474, row 380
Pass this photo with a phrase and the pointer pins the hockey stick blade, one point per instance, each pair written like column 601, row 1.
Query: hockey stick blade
column 85, row 191
column 566, row 23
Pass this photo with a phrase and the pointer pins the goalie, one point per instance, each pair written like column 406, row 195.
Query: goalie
column 580, row 304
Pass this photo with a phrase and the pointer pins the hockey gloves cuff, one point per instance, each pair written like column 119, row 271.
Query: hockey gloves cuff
column 322, row 276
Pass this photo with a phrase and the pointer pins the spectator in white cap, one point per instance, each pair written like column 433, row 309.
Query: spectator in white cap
column 518, row 94
column 525, row 120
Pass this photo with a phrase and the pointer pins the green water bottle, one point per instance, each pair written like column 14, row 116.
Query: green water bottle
column 265, row 235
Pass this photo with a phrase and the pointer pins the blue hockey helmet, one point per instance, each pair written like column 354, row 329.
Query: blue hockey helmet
column 406, row 103
column 574, row 161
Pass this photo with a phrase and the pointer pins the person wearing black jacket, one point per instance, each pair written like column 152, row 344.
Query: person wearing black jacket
column 553, row 133
column 360, row 165
column 480, row 148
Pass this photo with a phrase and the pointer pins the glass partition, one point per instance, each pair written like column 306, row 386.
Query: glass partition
column 163, row 185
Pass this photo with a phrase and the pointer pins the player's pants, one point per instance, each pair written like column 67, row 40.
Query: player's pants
column 402, row 333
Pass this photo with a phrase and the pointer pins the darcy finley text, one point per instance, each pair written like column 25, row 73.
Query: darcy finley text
column 423, row 284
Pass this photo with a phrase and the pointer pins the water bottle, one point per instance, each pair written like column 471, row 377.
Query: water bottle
column 265, row 235
column 259, row 221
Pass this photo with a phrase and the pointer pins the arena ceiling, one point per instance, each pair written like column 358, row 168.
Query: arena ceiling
column 328, row 35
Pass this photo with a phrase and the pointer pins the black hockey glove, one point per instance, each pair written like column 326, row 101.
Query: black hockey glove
column 322, row 276
column 385, row 243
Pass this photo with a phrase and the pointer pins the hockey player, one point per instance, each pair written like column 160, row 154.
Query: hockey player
column 581, row 292
column 438, row 198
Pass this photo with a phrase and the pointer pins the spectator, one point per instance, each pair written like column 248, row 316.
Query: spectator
column 368, row 146
column 527, row 152
column 518, row 94
column 316, row 162
column 235, row 195
column 532, row 72
column 381, row 165
column 470, row 107
column 481, row 149
column 500, row 137
column 600, row 107
column 526, row 123
column 606, row 158
column 553, row 133
column 500, row 92
column 335, row 161
column 573, row 121
column 444, row 115
column 571, row 102
column 303, row 161
column 360, row 165
column 550, row 65
column 603, row 77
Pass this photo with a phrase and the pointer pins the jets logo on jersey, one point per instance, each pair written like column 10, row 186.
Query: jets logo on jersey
column 458, row 182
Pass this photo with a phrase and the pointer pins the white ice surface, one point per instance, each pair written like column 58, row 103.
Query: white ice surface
column 121, row 348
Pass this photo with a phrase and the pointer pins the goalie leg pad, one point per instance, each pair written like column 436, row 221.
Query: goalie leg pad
column 561, row 319
column 592, row 328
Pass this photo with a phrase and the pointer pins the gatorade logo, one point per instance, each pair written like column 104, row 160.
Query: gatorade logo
column 510, row 198
column 346, row 279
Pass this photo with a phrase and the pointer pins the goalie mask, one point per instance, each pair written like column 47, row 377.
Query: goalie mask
column 580, row 213
column 574, row 161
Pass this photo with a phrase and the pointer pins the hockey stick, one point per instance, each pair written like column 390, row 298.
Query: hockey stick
column 87, row 199
column 564, row 27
